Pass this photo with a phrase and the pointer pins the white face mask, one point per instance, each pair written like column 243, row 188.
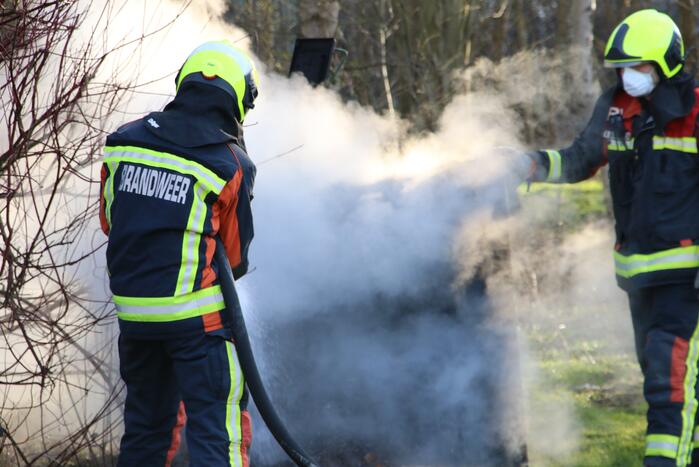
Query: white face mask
column 638, row 83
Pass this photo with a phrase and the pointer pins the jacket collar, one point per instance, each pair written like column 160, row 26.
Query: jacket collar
column 199, row 115
column 672, row 99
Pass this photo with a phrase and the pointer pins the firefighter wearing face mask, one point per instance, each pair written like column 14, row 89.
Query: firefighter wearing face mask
column 646, row 129
column 171, row 182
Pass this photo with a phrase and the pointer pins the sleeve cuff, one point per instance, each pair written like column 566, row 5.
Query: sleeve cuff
column 554, row 158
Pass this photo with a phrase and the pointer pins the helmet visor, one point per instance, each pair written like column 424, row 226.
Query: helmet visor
column 620, row 64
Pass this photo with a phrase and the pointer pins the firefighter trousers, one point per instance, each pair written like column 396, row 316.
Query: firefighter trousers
column 665, row 320
column 203, row 374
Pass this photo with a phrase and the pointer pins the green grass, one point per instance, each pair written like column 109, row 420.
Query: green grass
column 582, row 381
column 607, row 404
column 573, row 205
column 612, row 436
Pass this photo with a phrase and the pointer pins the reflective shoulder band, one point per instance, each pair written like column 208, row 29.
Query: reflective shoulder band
column 165, row 160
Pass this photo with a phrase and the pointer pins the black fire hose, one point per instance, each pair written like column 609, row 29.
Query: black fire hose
column 248, row 365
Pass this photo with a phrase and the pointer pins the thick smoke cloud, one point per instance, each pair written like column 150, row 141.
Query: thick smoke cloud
column 375, row 299
column 370, row 345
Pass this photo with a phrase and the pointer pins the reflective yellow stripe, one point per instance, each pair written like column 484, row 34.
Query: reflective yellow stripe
column 165, row 160
column 662, row 445
column 109, row 192
column 554, row 165
column 206, row 181
column 233, row 414
column 190, row 242
column 162, row 309
column 686, row 144
column 618, row 144
column 689, row 408
column 676, row 258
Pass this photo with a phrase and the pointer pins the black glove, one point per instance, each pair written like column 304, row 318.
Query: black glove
column 530, row 166
column 539, row 168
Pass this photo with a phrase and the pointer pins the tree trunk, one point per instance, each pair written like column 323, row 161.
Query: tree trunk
column 470, row 13
column 522, row 26
column 688, row 24
column 499, row 30
column 563, row 37
column 580, row 30
column 580, row 22
column 318, row 18
column 387, row 14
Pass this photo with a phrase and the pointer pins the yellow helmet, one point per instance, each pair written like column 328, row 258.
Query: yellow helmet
column 646, row 36
column 221, row 59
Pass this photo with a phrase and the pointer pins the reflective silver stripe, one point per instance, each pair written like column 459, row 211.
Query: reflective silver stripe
column 686, row 144
column 191, row 241
column 169, row 309
column 214, row 183
column 223, row 48
column 235, row 428
column 655, row 263
column 664, row 445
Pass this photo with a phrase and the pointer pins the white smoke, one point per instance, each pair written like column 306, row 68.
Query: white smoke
column 366, row 240
column 348, row 230
column 132, row 35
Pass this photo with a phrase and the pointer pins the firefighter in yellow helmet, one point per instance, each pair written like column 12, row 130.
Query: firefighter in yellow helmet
column 646, row 129
column 171, row 182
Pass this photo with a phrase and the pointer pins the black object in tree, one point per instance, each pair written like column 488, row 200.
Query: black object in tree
column 312, row 58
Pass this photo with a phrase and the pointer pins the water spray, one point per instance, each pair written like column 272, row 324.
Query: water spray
column 247, row 363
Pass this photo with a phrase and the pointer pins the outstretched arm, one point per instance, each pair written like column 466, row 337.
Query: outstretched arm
column 582, row 159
